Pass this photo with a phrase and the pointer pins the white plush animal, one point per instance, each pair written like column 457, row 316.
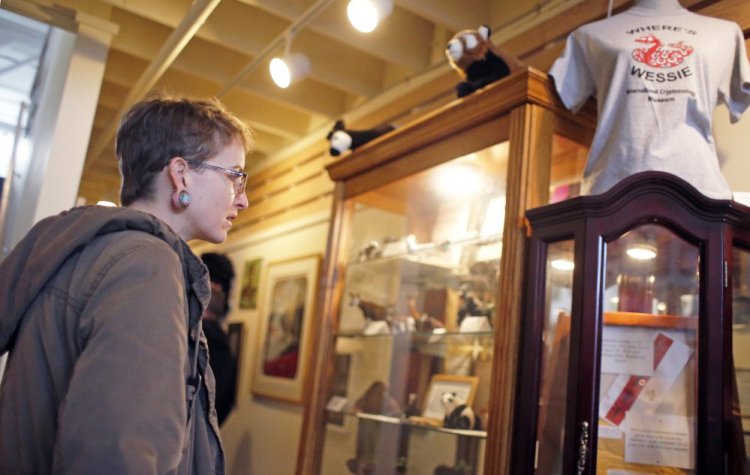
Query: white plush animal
column 458, row 415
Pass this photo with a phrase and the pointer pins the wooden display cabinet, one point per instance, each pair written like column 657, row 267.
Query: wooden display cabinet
column 634, row 349
column 420, row 293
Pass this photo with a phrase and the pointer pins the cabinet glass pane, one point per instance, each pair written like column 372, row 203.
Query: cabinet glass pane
column 741, row 350
column 647, row 404
column 568, row 161
column 555, row 350
column 415, row 322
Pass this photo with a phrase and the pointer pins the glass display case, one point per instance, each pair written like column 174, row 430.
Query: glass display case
column 633, row 347
column 420, row 297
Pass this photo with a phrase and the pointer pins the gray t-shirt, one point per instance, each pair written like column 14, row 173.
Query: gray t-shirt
column 657, row 81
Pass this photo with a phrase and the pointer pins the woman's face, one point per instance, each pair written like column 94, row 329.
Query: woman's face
column 215, row 203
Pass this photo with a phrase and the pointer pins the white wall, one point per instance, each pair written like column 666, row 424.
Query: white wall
column 733, row 147
column 261, row 436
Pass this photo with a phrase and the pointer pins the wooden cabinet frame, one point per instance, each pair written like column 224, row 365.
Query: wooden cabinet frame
column 522, row 109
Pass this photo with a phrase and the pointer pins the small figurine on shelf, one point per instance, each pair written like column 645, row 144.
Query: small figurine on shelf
column 411, row 409
column 458, row 414
column 403, row 324
column 470, row 305
column 375, row 315
column 370, row 251
column 423, row 323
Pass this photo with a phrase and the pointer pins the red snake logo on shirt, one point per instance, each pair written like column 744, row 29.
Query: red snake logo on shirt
column 661, row 57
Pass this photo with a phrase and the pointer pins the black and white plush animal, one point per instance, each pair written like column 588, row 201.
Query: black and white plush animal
column 342, row 139
column 477, row 60
column 458, row 414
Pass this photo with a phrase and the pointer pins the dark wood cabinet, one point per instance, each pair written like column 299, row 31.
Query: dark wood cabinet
column 634, row 348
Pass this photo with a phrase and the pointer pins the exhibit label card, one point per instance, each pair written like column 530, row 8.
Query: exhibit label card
column 645, row 393
column 665, row 440
column 627, row 350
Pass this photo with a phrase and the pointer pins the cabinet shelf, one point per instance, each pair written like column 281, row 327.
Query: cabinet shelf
column 418, row 336
column 406, row 422
column 429, row 253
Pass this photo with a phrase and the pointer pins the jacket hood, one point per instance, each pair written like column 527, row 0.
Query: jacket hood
column 51, row 241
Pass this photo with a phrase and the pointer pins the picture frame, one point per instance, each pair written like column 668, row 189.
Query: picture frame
column 465, row 387
column 249, row 284
column 287, row 304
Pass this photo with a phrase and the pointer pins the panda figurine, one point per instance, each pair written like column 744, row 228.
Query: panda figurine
column 478, row 61
column 458, row 414
column 341, row 139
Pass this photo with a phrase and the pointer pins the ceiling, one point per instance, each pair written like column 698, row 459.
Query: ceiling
column 222, row 48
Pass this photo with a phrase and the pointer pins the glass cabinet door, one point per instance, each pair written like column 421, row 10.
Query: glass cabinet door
column 648, row 369
column 555, row 356
column 415, row 341
column 651, row 329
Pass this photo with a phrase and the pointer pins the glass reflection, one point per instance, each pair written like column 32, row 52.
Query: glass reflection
column 554, row 371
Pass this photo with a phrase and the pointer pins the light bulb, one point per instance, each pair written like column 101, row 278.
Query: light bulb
column 642, row 252
column 364, row 15
column 280, row 73
column 285, row 71
column 562, row 264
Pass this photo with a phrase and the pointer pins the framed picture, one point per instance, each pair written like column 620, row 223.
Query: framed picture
column 286, row 310
column 249, row 287
column 465, row 388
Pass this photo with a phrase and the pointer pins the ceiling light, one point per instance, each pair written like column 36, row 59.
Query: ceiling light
column 365, row 15
column 458, row 180
column 106, row 203
column 562, row 264
column 289, row 69
column 642, row 252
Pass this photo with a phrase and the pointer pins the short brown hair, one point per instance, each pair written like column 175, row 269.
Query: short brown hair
column 160, row 128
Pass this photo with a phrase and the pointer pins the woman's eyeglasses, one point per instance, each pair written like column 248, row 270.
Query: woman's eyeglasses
column 240, row 178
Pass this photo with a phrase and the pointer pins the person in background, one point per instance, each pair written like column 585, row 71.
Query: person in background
column 223, row 362
column 100, row 308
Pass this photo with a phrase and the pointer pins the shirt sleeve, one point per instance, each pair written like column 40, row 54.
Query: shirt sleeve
column 571, row 74
column 125, row 410
column 735, row 91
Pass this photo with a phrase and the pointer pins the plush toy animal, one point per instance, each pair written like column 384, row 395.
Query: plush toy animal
column 341, row 139
column 458, row 415
column 478, row 61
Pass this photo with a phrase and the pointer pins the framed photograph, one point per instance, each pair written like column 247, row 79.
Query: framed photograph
column 249, row 286
column 286, row 311
column 465, row 387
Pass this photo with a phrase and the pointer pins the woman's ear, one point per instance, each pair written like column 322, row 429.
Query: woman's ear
column 176, row 169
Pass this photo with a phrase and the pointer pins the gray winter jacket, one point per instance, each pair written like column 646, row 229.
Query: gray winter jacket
column 100, row 309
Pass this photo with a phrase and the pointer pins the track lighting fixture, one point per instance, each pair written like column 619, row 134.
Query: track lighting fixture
column 289, row 68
